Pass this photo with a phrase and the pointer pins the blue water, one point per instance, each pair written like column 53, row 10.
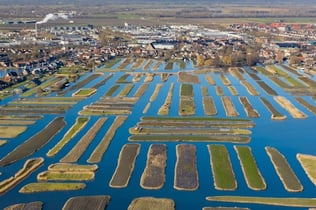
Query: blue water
column 290, row 137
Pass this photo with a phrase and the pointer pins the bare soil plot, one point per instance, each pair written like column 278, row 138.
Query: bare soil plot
column 288, row 106
column 125, row 166
column 209, row 106
column 157, row 65
column 169, row 65
column 34, row 143
column 146, row 203
column 290, row 181
column 96, row 202
column 3, row 142
column 186, row 77
column 153, row 176
column 186, row 174
column 148, row 64
column 77, row 151
column 229, row 106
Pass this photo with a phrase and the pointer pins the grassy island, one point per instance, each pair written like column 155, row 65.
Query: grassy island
column 50, row 187
column 287, row 176
column 126, row 89
column 153, row 176
column 72, row 167
column 77, row 151
column 186, row 174
column 223, row 175
column 77, row 127
column 250, row 169
column 145, row 203
column 96, row 202
column 65, row 176
column 308, row 162
column 86, row 92
column 186, row 106
column 125, row 166
column 29, row 166
column 35, row 142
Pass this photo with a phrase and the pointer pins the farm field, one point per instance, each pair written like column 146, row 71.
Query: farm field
column 139, row 133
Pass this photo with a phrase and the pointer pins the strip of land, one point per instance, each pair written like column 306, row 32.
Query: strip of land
column 209, row 105
column 65, row 176
column 225, row 80
column 153, row 177
column 3, row 142
column 233, row 90
column 219, row 91
column 209, row 79
column 223, row 175
column 156, row 92
column 77, row 127
column 288, row 106
column 251, row 90
column 250, row 111
column 164, row 109
column 308, row 162
column 141, row 90
column 29, row 166
column 11, row 131
column 280, row 201
column 267, row 88
column 99, row 151
column 306, row 104
column 250, row 169
column 185, row 77
column 72, row 167
column 35, row 142
column 77, row 151
column 229, row 107
column 275, row 114
column 125, row 166
column 152, row 204
column 290, row 181
column 186, row 174
column 51, row 187
column 96, row 202
column 36, row 205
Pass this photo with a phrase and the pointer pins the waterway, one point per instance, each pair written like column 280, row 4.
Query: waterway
column 290, row 137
